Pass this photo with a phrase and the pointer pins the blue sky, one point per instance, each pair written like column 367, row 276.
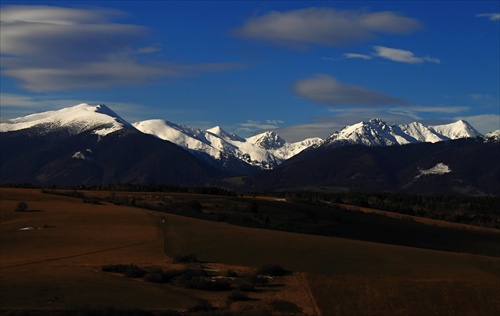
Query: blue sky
column 301, row 68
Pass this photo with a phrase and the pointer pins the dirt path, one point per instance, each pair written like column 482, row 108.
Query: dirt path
column 308, row 295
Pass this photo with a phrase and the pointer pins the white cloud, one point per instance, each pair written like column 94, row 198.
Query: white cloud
column 324, row 26
column 483, row 123
column 490, row 16
column 402, row 56
column 479, row 96
column 53, row 48
column 360, row 56
column 251, row 126
column 433, row 109
column 326, row 90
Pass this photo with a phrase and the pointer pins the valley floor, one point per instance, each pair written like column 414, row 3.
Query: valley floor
column 55, row 267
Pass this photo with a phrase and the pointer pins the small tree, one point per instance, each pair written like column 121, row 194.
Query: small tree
column 21, row 206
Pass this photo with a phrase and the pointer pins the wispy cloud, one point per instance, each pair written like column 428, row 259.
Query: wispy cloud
column 479, row 96
column 54, row 48
column 324, row 26
column 484, row 123
column 359, row 56
column 433, row 109
column 252, row 126
column 402, row 56
column 490, row 16
column 326, row 90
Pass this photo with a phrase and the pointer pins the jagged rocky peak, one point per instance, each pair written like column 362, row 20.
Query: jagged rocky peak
column 377, row 132
column 268, row 140
column 493, row 136
column 377, row 121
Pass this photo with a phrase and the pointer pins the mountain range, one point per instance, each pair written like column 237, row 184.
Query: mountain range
column 91, row 144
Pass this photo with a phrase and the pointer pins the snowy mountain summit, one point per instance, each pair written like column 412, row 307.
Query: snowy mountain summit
column 77, row 119
column 376, row 132
column 263, row 151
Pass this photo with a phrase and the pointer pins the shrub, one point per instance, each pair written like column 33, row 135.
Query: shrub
column 247, row 287
column 207, row 284
column 114, row 268
column 256, row 280
column 154, row 277
column 272, row 270
column 186, row 258
column 128, row 270
column 133, row 271
column 238, row 296
column 21, row 207
column 201, row 306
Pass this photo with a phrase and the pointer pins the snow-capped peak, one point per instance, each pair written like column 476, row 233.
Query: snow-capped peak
column 376, row 132
column 267, row 140
column 493, row 136
column 456, row 130
column 83, row 117
column 218, row 131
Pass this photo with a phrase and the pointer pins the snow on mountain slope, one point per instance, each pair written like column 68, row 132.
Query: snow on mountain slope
column 375, row 132
column 378, row 133
column 218, row 131
column 267, row 140
column 456, row 130
column 266, row 150
column 279, row 147
column 422, row 133
column 438, row 169
column 182, row 135
column 493, row 136
column 76, row 119
column 215, row 142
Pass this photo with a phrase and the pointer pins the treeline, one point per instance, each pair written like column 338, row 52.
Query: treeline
column 474, row 210
column 121, row 187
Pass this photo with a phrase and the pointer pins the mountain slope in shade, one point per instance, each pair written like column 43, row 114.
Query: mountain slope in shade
column 124, row 156
column 465, row 166
column 80, row 118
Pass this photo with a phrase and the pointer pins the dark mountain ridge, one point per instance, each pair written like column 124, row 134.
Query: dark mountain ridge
column 473, row 168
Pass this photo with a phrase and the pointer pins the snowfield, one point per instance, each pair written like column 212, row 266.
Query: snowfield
column 83, row 117
column 438, row 169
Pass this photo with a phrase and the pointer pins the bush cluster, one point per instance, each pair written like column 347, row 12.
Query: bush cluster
column 189, row 278
column 128, row 270
column 21, row 207
column 271, row 270
column 186, row 258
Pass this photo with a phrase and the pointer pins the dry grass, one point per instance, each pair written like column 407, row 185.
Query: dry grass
column 57, row 267
column 220, row 242
column 355, row 295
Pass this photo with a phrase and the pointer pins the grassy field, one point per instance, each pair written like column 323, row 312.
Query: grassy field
column 56, row 267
